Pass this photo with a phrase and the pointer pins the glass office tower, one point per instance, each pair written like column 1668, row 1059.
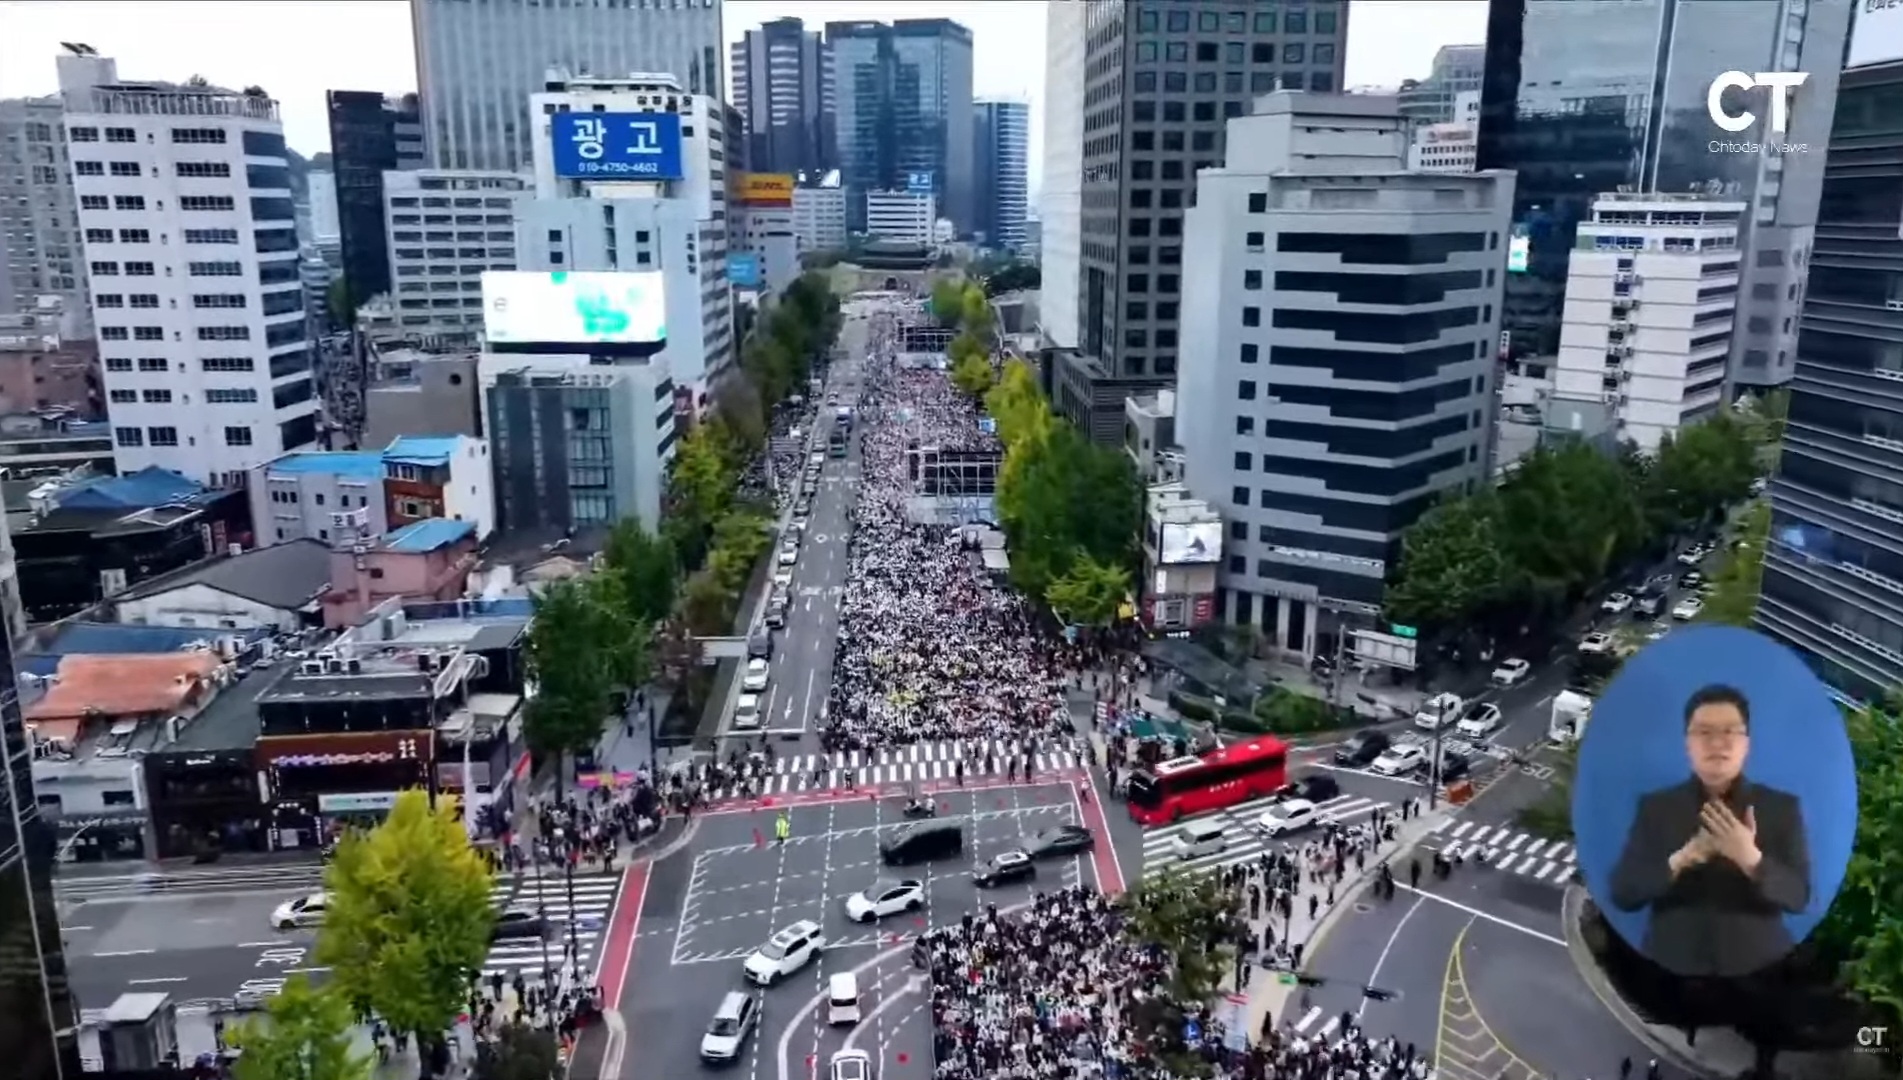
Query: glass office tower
column 1833, row 570
column 37, row 1015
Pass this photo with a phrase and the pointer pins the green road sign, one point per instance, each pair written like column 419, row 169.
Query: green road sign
column 1402, row 631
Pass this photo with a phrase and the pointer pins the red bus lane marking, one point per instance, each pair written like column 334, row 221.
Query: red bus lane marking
column 1103, row 853
column 624, row 922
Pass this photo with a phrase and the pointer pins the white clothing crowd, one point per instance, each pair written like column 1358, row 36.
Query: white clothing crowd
column 930, row 646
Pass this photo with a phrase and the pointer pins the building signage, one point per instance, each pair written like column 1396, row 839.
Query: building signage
column 1876, row 37
column 766, row 189
column 743, row 269
column 918, row 183
column 356, row 802
column 1190, row 543
column 616, row 146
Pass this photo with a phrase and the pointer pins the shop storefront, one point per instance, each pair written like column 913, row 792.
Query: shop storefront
column 324, row 784
column 89, row 838
column 205, row 804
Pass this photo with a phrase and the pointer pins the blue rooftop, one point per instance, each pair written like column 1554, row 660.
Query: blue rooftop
column 422, row 449
column 142, row 490
column 118, row 639
column 356, row 464
column 427, row 535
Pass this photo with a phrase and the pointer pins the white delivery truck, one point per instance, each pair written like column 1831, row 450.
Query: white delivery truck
column 1571, row 711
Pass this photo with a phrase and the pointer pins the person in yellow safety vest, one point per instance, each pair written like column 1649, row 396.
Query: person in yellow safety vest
column 782, row 828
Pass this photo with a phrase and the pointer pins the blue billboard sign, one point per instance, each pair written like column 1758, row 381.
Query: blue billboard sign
column 918, row 183
column 616, row 146
column 743, row 269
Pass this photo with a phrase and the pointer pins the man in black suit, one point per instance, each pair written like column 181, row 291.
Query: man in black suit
column 1718, row 859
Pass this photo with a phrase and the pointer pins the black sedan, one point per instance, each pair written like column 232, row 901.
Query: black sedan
column 1318, row 788
column 1362, row 748
column 1058, row 841
column 1004, row 869
column 517, row 923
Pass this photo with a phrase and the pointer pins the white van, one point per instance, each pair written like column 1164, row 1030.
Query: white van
column 842, row 992
column 1200, row 838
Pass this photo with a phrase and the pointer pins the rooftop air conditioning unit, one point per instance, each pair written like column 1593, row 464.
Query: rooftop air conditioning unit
column 311, row 667
column 333, row 667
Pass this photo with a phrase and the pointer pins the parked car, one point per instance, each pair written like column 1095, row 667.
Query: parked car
column 1616, row 604
column 1362, row 748
column 1596, row 644
column 1439, row 711
column 754, row 681
column 1688, row 609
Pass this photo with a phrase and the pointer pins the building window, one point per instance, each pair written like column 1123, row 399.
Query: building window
column 126, row 169
column 224, row 333
column 154, row 364
column 128, row 202
column 114, row 333
column 237, row 436
column 118, row 363
column 1179, row 22
column 128, row 436
column 139, row 269
column 134, row 236
column 207, row 202
column 1292, row 52
column 162, row 436
column 211, row 236
column 218, row 300
column 1252, row 316
column 105, row 269
column 94, row 202
column 1241, row 461
column 83, row 134
column 1245, row 390
column 227, row 363
column 210, row 136
column 157, row 397
column 1251, row 352
column 1245, row 425
column 202, row 170
column 145, row 300
column 89, row 168
column 215, row 269
column 231, row 396
column 1252, row 280
column 123, row 397
column 109, row 300
column 148, row 333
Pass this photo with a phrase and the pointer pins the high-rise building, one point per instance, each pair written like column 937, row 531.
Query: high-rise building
column 1340, row 319
column 819, row 218
column 370, row 134
column 1060, row 204
column 901, row 217
column 1436, row 99
column 37, row 1028
column 477, row 64
column 326, row 232
column 1162, row 81
column 1002, row 153
column 1833, row 568
column 1449, row 146
column 783, row 86
column 191, row 247
column 40, row 252
column 1650, row 299
column 903, row 112
column 1587, row 98
column 445, row 228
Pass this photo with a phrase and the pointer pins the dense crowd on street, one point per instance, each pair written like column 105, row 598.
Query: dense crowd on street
column 930, row 646
column 588, row 828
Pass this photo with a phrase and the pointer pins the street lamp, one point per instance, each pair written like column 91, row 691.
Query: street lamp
column 1433, row 765
column 574, row 951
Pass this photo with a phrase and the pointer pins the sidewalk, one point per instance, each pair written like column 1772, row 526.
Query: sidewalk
column 1719, row 1052
column 198, row 1031
column 1271, row 991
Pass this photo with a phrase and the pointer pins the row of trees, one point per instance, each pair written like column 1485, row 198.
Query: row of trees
column 407, row 921
column 1071, row 509
column 1513, row 558
column 965, row 307
column 596, row 639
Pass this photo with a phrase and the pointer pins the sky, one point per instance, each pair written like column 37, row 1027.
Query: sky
column 365, row 44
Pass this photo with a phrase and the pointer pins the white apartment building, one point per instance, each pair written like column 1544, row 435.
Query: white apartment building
column 1448, row 147
column 444, row 227
column 1651, row 295
column 191, row 247
column 40, row 252
column 902, row 217
column 768, row 234
column 819, row 218
column 674, row 227
column 326, row 230
column 1340, row 318
column 1060, row 206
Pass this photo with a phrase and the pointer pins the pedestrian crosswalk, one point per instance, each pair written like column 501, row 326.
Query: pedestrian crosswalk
column 1505, row 848
column 917, row 763
column 580, row 913
column 1245, row 839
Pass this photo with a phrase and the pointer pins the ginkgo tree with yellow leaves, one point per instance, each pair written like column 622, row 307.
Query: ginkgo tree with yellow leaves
column 407, row 917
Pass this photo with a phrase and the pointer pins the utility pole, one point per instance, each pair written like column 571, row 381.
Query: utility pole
column 1433, row 765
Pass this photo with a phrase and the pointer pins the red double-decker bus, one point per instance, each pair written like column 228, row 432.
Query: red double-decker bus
column 1225, row 776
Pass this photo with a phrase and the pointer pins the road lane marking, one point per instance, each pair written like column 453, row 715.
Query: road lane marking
column 1374, row 976
column 156, row 982
column 127, row 952
column 1313, row 1014
column 1487, row 915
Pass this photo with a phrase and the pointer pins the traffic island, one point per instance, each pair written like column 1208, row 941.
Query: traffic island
column 1788, row 1022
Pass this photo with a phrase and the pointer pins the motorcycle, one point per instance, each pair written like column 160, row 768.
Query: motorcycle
column 915, row 808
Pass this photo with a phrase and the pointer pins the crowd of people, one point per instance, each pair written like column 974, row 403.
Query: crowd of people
column 590, row 828
column 930, row 646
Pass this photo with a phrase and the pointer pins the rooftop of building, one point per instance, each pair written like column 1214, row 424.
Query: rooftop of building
column 288, row 576
column 47, row 645
column 422, row 537
column 525, row 548
column 422, row 449
column 45, row 427
column 403, row 651
column 354, row 464
column 230, row 720
column 149, row 487
column 109, row 707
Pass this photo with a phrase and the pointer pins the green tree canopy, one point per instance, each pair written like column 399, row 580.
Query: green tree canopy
column 948, row 301
column 1013, row 277
column 646, row 567
column 707, row 606
column 700, row 488
column 304, row 1034
column 1182, row 915
column 1456, row 564
column 566, row 650
column 1863, row 932
column 1736, row 582
column 1089, row 593
column 1017, row 406
column 408, row 916
column 974, row 313
column 1062, row 497
column 339, row 303
column 972, row 374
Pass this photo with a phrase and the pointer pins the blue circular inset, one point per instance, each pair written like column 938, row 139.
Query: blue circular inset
column 1638, row 800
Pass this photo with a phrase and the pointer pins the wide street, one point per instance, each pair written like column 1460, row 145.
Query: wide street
column 707, row 909
column 204, row 942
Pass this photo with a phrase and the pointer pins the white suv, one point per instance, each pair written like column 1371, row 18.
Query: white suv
column 785, row 953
